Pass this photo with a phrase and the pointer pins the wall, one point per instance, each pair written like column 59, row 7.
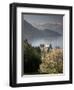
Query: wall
column 4, row 45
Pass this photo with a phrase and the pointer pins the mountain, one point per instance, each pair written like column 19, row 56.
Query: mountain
column 32, row 33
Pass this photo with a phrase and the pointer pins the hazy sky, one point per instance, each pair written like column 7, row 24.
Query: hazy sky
column 42, row 22
column 52, row 22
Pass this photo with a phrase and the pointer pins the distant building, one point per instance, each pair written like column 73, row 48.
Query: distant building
column 45, row 47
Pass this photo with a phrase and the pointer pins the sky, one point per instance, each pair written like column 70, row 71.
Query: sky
column 53, row 22
column 43, row 22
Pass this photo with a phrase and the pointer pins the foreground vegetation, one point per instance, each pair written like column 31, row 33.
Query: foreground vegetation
column 52, row 62
column 37, row 62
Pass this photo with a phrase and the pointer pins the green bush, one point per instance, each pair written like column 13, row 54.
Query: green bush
column 32, row 59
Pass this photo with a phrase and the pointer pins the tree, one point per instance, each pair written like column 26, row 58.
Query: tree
column 53, row 62
column 32, row 59
column 50, row 47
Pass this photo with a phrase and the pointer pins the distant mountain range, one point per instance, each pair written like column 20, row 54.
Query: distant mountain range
column 30, row 32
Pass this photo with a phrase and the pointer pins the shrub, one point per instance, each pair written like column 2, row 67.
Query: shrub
column 32, row 59
column 52, row 62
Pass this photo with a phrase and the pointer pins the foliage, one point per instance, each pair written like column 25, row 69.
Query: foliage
column 52, row 62
column 32, row 58
column 38, row 62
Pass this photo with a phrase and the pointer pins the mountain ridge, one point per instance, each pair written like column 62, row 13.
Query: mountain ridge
column 30, row 32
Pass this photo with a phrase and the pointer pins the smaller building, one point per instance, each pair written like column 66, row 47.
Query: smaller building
column 45, row 47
